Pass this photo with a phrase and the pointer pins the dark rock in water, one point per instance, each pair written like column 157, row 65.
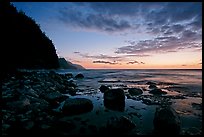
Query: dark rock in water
column 135, row 91
column 157, row 91
column 115, row 95
column 103, row 88
column 152, row 86
column 150, row 83
column 52, row 73
column 197, row 106
column 166, row 121
column 147, row 101
column 77, row 106
column 118, row 126
column 114, row 99
column 79, row 75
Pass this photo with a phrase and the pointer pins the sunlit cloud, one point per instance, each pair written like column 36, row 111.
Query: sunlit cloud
column 135, row 62
column 105, row 62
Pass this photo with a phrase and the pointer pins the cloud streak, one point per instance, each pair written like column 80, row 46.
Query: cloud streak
column 135, row 62
column 105, row 62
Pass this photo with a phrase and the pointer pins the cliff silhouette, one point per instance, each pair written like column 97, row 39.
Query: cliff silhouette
column 65, row 64
column 24, row 45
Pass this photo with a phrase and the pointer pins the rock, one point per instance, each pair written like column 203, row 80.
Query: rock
column 152, row 86
column 192, row 131
column 147, row 101
column 135, row 91
column 28, row 125
column 157, row 91
column 166, row 121
column 197, row 106
column 119, row 126
column 114, row 99
column 77, row 106
column 79, row 76
column 69, row 75
column 103, row 88
column 20, row 106
column 55, row 98
column 150, row 83
column 52, row 72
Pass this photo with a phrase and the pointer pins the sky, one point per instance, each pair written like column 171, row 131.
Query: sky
column 122, row 35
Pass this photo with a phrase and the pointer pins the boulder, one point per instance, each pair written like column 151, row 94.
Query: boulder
column 114, row 99
column 103, row 88
column 166, row 121
column 79, row 76
column 135, row 91
column 157, row 91
column 119, row 126
column 77, row 106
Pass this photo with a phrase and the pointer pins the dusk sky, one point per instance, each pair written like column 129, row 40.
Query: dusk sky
column 122, row 35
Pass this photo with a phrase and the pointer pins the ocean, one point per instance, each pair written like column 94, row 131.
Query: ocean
column 176, row 82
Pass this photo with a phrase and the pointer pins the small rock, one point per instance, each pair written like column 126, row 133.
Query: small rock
column 135, row 91
column 150, row 83
column 152, row 86
column 103, row 88
column 80, row 76
column 157, row 91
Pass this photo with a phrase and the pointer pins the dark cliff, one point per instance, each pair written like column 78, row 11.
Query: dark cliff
column 64, row 64
column 23, row 44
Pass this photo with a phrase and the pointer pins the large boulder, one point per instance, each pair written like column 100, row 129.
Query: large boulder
column 135, row 91
column 166, row 121
column 114, row 99
column 103, row 88
column 77, row 106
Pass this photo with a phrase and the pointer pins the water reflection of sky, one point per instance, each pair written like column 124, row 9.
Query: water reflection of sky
column 186, row 80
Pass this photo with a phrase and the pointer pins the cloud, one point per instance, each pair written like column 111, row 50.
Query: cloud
column 76, row 52
column 137, row 55
column 135, row 62
column 106, row 62
column 102, row 56
column 94, row 21
column 184, row 65
column 187, row 39
column 122, row 16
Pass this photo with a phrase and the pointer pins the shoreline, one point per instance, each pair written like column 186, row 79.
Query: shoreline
column 32, row 99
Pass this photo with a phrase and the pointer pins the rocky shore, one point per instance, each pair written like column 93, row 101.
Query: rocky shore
column 30, row 99
column 45, row 103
